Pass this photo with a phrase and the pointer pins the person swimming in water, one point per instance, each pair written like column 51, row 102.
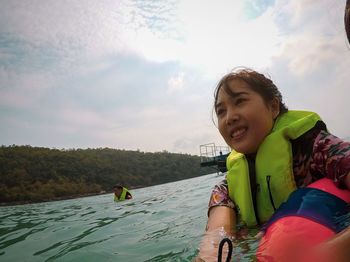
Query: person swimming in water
column 121, row 193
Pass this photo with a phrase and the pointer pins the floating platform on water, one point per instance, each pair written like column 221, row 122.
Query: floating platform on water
column 214, row 156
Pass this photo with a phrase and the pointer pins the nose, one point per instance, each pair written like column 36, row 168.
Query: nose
column 231, row 116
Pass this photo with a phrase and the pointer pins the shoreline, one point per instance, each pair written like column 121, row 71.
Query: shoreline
column 28, row 202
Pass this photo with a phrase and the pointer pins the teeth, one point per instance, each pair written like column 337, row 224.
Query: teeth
column 238, row 132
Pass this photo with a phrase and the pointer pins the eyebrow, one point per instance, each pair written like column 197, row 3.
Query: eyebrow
column 235, row 94
column 217, row 105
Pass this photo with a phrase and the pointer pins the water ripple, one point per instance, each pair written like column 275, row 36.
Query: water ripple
column 161, row 223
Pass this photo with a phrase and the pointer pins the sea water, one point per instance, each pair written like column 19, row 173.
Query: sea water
column 162, row 223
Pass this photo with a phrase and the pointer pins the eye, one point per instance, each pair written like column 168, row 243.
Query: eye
column 220, row 111
column 240, row 101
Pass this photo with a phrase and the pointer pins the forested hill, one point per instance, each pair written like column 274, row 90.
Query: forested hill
column 39, row 174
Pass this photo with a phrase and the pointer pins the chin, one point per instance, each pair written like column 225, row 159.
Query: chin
column 244, row 150
column 239, row 150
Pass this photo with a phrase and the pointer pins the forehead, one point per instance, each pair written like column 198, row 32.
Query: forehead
column 237, row 84
column 234, row 88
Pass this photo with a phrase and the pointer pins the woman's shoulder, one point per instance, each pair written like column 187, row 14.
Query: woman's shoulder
column 304, row 144
column 319, row 140
column 326, row 141
column 332, row 153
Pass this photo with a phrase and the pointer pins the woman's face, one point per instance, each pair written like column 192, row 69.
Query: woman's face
column 244, row 118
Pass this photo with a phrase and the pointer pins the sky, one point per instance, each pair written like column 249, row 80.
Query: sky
column 140, row 75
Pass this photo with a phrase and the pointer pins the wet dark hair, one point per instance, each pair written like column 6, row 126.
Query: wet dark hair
column 256, row 81
column 118, row 186
column 347, row 19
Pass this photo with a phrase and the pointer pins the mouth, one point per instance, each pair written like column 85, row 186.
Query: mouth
column 238, row 133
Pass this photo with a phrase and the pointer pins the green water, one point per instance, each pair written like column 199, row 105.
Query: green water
column 161, row 223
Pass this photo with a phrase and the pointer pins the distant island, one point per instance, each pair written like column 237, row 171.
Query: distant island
column 35, row 174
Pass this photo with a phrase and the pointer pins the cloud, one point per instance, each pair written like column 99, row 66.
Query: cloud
column 65, row 33
column 219, row 37
column 141, row 74
column 312, row 66
column 176, row 83
column 65, row 25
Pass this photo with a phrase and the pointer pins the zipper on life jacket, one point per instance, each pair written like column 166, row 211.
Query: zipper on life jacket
column 268, row 178
column 253, row 187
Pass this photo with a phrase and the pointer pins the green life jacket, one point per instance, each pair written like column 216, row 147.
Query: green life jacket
column 122, row 196
column 273, row 169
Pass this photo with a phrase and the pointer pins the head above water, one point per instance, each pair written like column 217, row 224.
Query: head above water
column 256, row 81
column 118, row 189
column 246, row 105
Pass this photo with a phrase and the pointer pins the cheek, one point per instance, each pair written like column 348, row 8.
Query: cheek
column 262, row 123
column 221, row 126
column 223, row 132
column 265, row 126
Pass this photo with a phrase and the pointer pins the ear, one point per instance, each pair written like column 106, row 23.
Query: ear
column 275, row 107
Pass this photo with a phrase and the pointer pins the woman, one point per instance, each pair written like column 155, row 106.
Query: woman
column 275, row 151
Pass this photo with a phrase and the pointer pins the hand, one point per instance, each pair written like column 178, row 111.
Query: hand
column 334, row 250
column 210, row 245
column 221, row 223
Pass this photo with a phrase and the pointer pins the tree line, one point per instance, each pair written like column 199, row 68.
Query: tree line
column 34, row 174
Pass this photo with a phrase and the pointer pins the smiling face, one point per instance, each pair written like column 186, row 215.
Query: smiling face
column 244, row 118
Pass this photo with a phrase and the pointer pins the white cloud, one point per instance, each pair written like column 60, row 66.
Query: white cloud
column 176, row 83
column 218, row 37
column 141, row 74
column 23, row 90
column 65, row 25
column 304, row 58
column 312, row 67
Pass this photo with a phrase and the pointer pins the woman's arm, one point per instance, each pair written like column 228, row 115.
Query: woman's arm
column 222, row 217
column 128, row 195
column 331, row 157
column 337, row 248
column 221, row 223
